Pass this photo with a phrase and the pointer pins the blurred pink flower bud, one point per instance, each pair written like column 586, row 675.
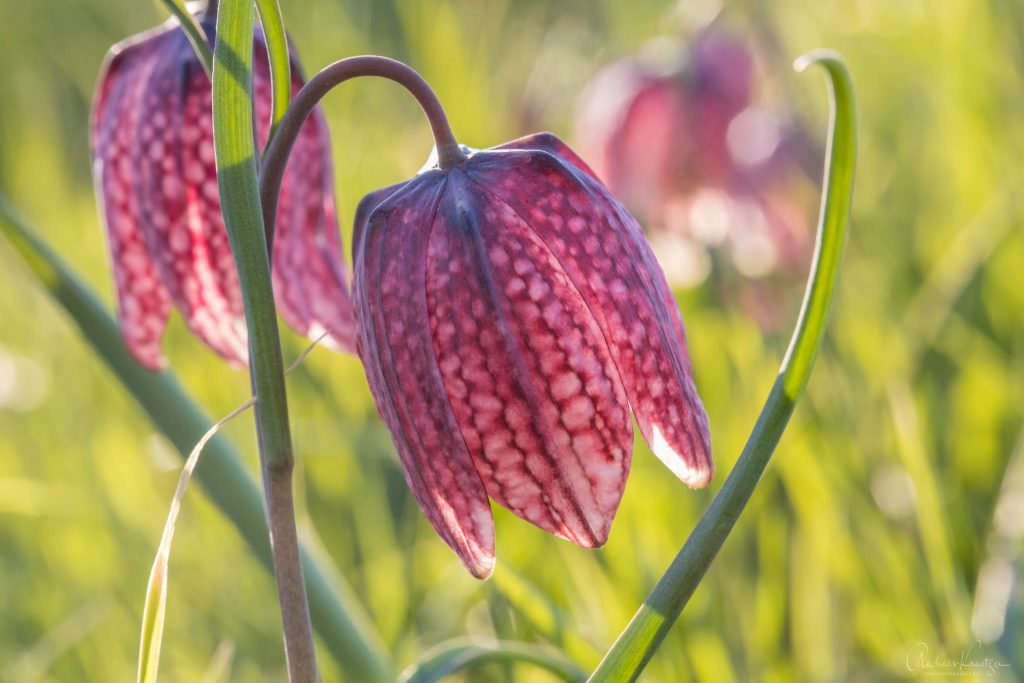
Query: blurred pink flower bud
column 510, row 315
column 700, row 161
column 153, row 166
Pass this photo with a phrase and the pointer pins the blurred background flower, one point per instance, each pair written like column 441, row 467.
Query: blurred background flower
column 887, row 517
column 686, row 134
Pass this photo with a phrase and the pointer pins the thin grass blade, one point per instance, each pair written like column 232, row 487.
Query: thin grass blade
column 153, row 621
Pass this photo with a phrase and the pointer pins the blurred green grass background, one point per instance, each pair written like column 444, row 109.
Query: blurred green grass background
column 891, row 517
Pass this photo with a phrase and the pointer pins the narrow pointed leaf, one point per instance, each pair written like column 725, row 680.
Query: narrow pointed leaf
column 155, row 608
column 280, row 64
column 153, row 614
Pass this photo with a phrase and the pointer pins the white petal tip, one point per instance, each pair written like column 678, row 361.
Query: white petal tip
column 693, row 477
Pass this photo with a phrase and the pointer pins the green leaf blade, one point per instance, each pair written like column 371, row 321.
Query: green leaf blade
column 837, row 196
column 280, row 62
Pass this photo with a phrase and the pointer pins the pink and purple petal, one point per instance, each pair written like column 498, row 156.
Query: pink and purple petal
column 603, row 251
column 178, row 192
column 529, row 377
column 142, row 301
column 403, row 373
column 550, row 143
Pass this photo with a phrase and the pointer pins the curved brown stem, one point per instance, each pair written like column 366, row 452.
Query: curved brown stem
column 276, row 156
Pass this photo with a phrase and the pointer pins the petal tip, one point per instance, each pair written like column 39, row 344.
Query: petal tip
column 481, row 567
column 597, row 538
column 694, row 469
column 699, row 478
column 148, row 354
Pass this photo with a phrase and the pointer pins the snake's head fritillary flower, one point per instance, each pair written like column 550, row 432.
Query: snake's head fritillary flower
column 156, row 183
column 689, row 148
column 510, row 314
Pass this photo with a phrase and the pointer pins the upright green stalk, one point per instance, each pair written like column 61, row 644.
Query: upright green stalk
column 236, row 174
column 638, row 642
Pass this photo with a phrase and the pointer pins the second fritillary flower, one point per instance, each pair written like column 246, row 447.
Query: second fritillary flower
column 153, row 163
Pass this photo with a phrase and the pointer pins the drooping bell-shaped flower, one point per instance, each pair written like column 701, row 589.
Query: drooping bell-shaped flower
column 156, row 183
column 510, row 315
column 688, row 146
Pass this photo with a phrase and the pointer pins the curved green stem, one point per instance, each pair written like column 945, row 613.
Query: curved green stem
column 638, row 642
column 240, row 203
column 461, row 654
column 196, row 35
column 272, row 171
